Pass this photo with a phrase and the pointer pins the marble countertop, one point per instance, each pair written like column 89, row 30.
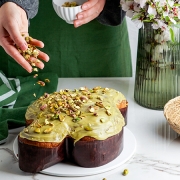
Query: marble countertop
column 156, row 155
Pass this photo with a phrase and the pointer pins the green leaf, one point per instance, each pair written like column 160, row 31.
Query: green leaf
column 151, row 16
column 172, row 35
column 167, row 18
column 136, row 17
column 176, row 4
column 146, row 20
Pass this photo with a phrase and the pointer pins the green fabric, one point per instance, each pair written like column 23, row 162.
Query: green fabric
column 15, row 96
column 92, row 50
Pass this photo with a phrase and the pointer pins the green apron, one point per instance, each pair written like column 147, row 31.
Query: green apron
column 92, row 50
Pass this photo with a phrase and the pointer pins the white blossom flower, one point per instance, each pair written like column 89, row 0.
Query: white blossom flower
column 141, row 2
column 171, row 3
column 152, row 10
column 126, row 5
column 172, row 20
column 136, row 7
column 165, row 14
column 162, row 3
column 129, row 14
column 161, row 13
column 159, row 24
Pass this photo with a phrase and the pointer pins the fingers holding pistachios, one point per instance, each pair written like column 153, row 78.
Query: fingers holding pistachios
column 14, row 53
column 36, row 43
column 32, row 55
column 35, row 63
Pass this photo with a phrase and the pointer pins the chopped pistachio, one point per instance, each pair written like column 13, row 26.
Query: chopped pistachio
column 35, row 75
column 76, row 119
column 88, row 128
column 61, row 117
column 41, row 83
column 82, row 88
column 102, row 120
column 33, row 64
column 100, row 104
column 108, row 112
column 70, row 4
column 91, row 109
column 48, row 130
column 125, row 172
column 46, row 122
column 47, row 80
column 38, row 125
column 100, row 98
column 35, row 69
column 35, row 52
column 26, row 130
column 43, row 107
column 37, row 130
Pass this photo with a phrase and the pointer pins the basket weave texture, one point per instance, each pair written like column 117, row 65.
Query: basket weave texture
column 172, row 113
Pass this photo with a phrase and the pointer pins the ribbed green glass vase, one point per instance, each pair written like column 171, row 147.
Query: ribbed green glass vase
column 157, row 78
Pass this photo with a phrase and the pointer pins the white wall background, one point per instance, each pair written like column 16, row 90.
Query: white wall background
column 133, row 37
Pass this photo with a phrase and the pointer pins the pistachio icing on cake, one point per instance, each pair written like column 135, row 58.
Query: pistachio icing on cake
column 75, row 113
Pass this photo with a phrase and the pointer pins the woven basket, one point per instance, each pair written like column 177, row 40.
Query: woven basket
column 172, row 113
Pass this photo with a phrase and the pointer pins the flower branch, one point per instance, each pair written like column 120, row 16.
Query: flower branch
column 162, row 14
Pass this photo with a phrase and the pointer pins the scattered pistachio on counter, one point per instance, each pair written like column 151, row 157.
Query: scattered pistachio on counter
column 125, row 172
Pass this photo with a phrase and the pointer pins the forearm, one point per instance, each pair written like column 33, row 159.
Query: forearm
column 112, row 13
column 30, row 6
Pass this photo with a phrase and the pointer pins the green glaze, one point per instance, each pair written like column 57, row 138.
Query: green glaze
column 96, row 115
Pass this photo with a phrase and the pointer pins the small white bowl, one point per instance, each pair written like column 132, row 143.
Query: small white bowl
column 67, row 13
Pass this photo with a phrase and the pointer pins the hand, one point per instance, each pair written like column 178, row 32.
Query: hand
column 90, row 10
column 14, row 23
